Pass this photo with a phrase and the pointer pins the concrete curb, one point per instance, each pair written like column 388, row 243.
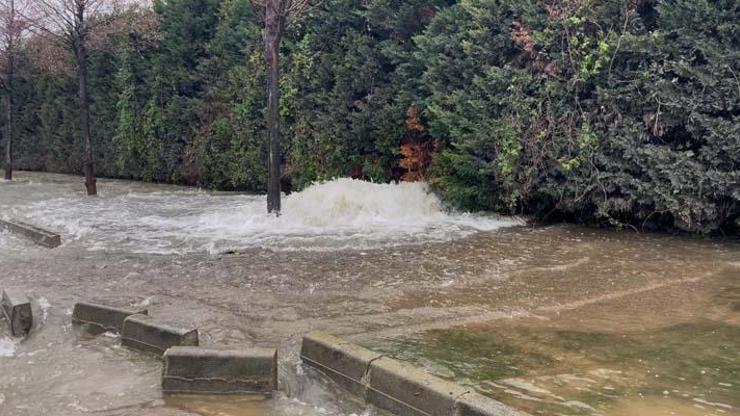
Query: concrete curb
column 406, row 390
column 194, row 370
column 144, row 333
column 39, row 236
column 345, row 363
column 17, row 310
column 106, row 317
column 392, row 385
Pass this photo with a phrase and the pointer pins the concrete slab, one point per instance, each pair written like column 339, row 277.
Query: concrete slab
column 474, row 404
column 194, row 370
column 147, row 334
column 407, row 390
column 105, row 317
column 17, row 310
column 38, row 235
column 343, row 362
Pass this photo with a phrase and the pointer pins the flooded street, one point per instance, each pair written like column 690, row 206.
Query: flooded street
column 556, row 320
column 668, row 351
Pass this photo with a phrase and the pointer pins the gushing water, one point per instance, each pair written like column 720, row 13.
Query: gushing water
column 336, row 215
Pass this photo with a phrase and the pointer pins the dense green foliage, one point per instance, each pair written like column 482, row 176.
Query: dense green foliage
column 593, row 110
column 622, row 112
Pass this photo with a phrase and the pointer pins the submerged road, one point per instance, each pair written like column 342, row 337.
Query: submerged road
column 259, row 296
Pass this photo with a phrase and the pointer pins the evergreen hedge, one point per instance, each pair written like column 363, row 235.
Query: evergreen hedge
column 621, row 112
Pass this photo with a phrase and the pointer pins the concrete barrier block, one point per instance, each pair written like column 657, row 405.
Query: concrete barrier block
column 17, row 310
column 105, row 317
column 343, row 362
column 406, row 390
column 474, row 404
column 144, row 333
column 39, row 236
column 194, row 370
column 394, row 386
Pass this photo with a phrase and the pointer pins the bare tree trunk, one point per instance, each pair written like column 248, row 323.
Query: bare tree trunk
column 9, row 119
column 273, row 33
column 90, row 182
column 10, row 36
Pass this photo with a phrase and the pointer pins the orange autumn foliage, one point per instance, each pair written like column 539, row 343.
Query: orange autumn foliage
column 417, row 149
column 538, row 61
column 416, row 160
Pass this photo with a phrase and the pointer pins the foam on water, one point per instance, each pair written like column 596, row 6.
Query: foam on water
column 45, row 305
column 7, row 347
column 340, row 214
column 11, row 243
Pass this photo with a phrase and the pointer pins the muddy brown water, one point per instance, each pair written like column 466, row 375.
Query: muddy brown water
column 556, row 320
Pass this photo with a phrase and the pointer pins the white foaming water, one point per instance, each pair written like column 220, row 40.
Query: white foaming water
column 45, row 305
column 11, row 243
column 340, row 214
column 7, row 348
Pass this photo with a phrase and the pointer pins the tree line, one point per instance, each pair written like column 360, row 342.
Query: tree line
column 618, row 112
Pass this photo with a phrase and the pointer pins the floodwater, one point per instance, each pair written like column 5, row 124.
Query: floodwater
column 602, row 358
column 556, row 320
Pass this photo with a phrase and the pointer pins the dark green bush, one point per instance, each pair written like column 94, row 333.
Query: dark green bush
column 621, row 112
column 599, row 111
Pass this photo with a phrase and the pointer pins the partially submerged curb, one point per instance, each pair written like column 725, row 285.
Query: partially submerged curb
column 17, row 310
column 105, row 317
column 343, row 362
column 404, row 389
column 147, row 334
column 379, row 380
column 138, row 330
column 187, row 368
column 392, row 385
column 38, row 235
column 195, row 370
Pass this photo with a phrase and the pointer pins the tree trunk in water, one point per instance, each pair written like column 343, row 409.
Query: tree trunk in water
column 273, row 33
column 90, row 182
column 9, row 119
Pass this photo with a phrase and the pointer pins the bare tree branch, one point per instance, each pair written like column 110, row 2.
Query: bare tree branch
column 72, row 22
column 288, row 10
